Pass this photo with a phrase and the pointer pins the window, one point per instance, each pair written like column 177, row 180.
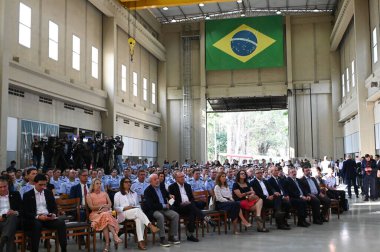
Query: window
column 343, row 91
column 134, row 83
column 53, row 40
column 94, row 62
column 153, row 93
column 76, row 53
column 123, row 78
column 353, row 79
column 347, row 80
column 374, row 45
column 25, row 25
column 145, row 89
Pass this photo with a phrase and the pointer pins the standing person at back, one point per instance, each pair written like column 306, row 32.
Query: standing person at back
column 349, row 174
column 369, row 178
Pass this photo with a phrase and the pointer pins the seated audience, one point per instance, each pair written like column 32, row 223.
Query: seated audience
column 101, row 216
column 271, row 199
column 224, row 201
column 243, row 193
column 39, row 211
column 297, row 197
column 156, row 207
column 311, row 189
column 184, row 204
column 10, row 207
column 127, row 206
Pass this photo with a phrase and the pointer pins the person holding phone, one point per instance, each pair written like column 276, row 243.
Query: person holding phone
column 39, row 211
column 127, row 206
column 101, row 216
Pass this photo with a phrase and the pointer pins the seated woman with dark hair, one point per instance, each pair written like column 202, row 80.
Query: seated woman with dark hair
column 101, row 216
column 225, row 202
column 127, row 206
column 243, row 193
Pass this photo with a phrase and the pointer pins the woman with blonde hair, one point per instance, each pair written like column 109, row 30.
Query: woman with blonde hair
column 101, row 215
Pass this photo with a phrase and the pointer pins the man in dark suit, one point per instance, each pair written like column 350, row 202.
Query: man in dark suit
column 80, row 191
column 297, row 197
column 277, row 184
column 311, row 188
column 271, row 198
column 39, row 211
column 10, row 207
column 369, row 170
column 184, row 204
column 349, row 174
column 156, row 207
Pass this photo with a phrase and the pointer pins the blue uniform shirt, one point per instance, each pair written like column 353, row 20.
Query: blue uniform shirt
column 66, row 187
column 113, row 183
column 197, row 185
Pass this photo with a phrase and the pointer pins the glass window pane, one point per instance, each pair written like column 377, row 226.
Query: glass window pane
column 347, row 80
column 94, row 70
column 353, row 79
column 53, row 31
column 76, row 44
column 375, row 54
column 25, row 15
column 134, row 77
column 24, row 35
column 124, row 85
column 95, row 55
column 76, row 61
column 123, row 71
column 53, row 50
column 343, row 91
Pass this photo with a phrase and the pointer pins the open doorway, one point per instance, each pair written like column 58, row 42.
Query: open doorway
column 247, row 129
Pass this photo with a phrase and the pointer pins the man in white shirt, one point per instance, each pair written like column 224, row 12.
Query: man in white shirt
column 39, row 211
column 10, row 204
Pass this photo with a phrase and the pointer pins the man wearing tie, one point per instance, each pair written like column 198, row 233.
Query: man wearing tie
column 296, row 196
column 80, row 191
column 271, row 199
column 39, row 211
column 277, row 184
column 10, row 205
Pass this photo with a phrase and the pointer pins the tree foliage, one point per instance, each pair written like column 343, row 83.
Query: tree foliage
column 263, row 133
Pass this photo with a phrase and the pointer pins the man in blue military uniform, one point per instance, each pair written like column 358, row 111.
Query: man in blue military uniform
column 210, row 182
column 113, row 184
column 140, row 184
column 196, row 181
column 30, row 175
column 66, row 186
column 55, row 181
column 230, row 178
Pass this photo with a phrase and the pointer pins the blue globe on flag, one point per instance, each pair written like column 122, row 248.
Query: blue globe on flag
column 243, row 43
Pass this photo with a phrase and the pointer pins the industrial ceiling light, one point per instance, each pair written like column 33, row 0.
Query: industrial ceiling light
column 173, row 21
column 207, row 17
column 201, row 4
column 239, row 1
column 165, row 8
column 315, row 10
column 242, row 15
column 278, row 12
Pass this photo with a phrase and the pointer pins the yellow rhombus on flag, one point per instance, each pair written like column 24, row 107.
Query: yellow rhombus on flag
column 263, row 42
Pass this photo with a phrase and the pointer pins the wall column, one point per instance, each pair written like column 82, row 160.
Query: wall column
column 4, row 84
column 363, row 69
column 202, row 94
column 109, row 73
column 163, row 110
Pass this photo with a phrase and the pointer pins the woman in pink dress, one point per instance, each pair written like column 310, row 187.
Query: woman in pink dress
column 101, row 215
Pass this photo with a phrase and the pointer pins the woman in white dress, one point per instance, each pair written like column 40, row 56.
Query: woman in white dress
column 128, row 207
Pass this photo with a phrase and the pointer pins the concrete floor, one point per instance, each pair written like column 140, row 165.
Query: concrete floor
column 357, row 230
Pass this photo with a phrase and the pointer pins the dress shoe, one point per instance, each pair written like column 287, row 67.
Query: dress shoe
column 357, row 196
column 349, row 197
column 153, row 228
column 302, row 224
column 173, row 240
column 366, row 199
column 192, row 238
column 141, row 245
column 318, row 222
column 306, row 223
column 283, row 227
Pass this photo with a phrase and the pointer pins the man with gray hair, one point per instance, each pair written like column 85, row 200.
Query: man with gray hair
column 156, row 206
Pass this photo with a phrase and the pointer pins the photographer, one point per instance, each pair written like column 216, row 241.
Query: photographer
column 36, row 148
column 119, row 145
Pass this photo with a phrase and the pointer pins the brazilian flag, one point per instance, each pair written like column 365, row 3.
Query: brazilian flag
column 243, row 43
